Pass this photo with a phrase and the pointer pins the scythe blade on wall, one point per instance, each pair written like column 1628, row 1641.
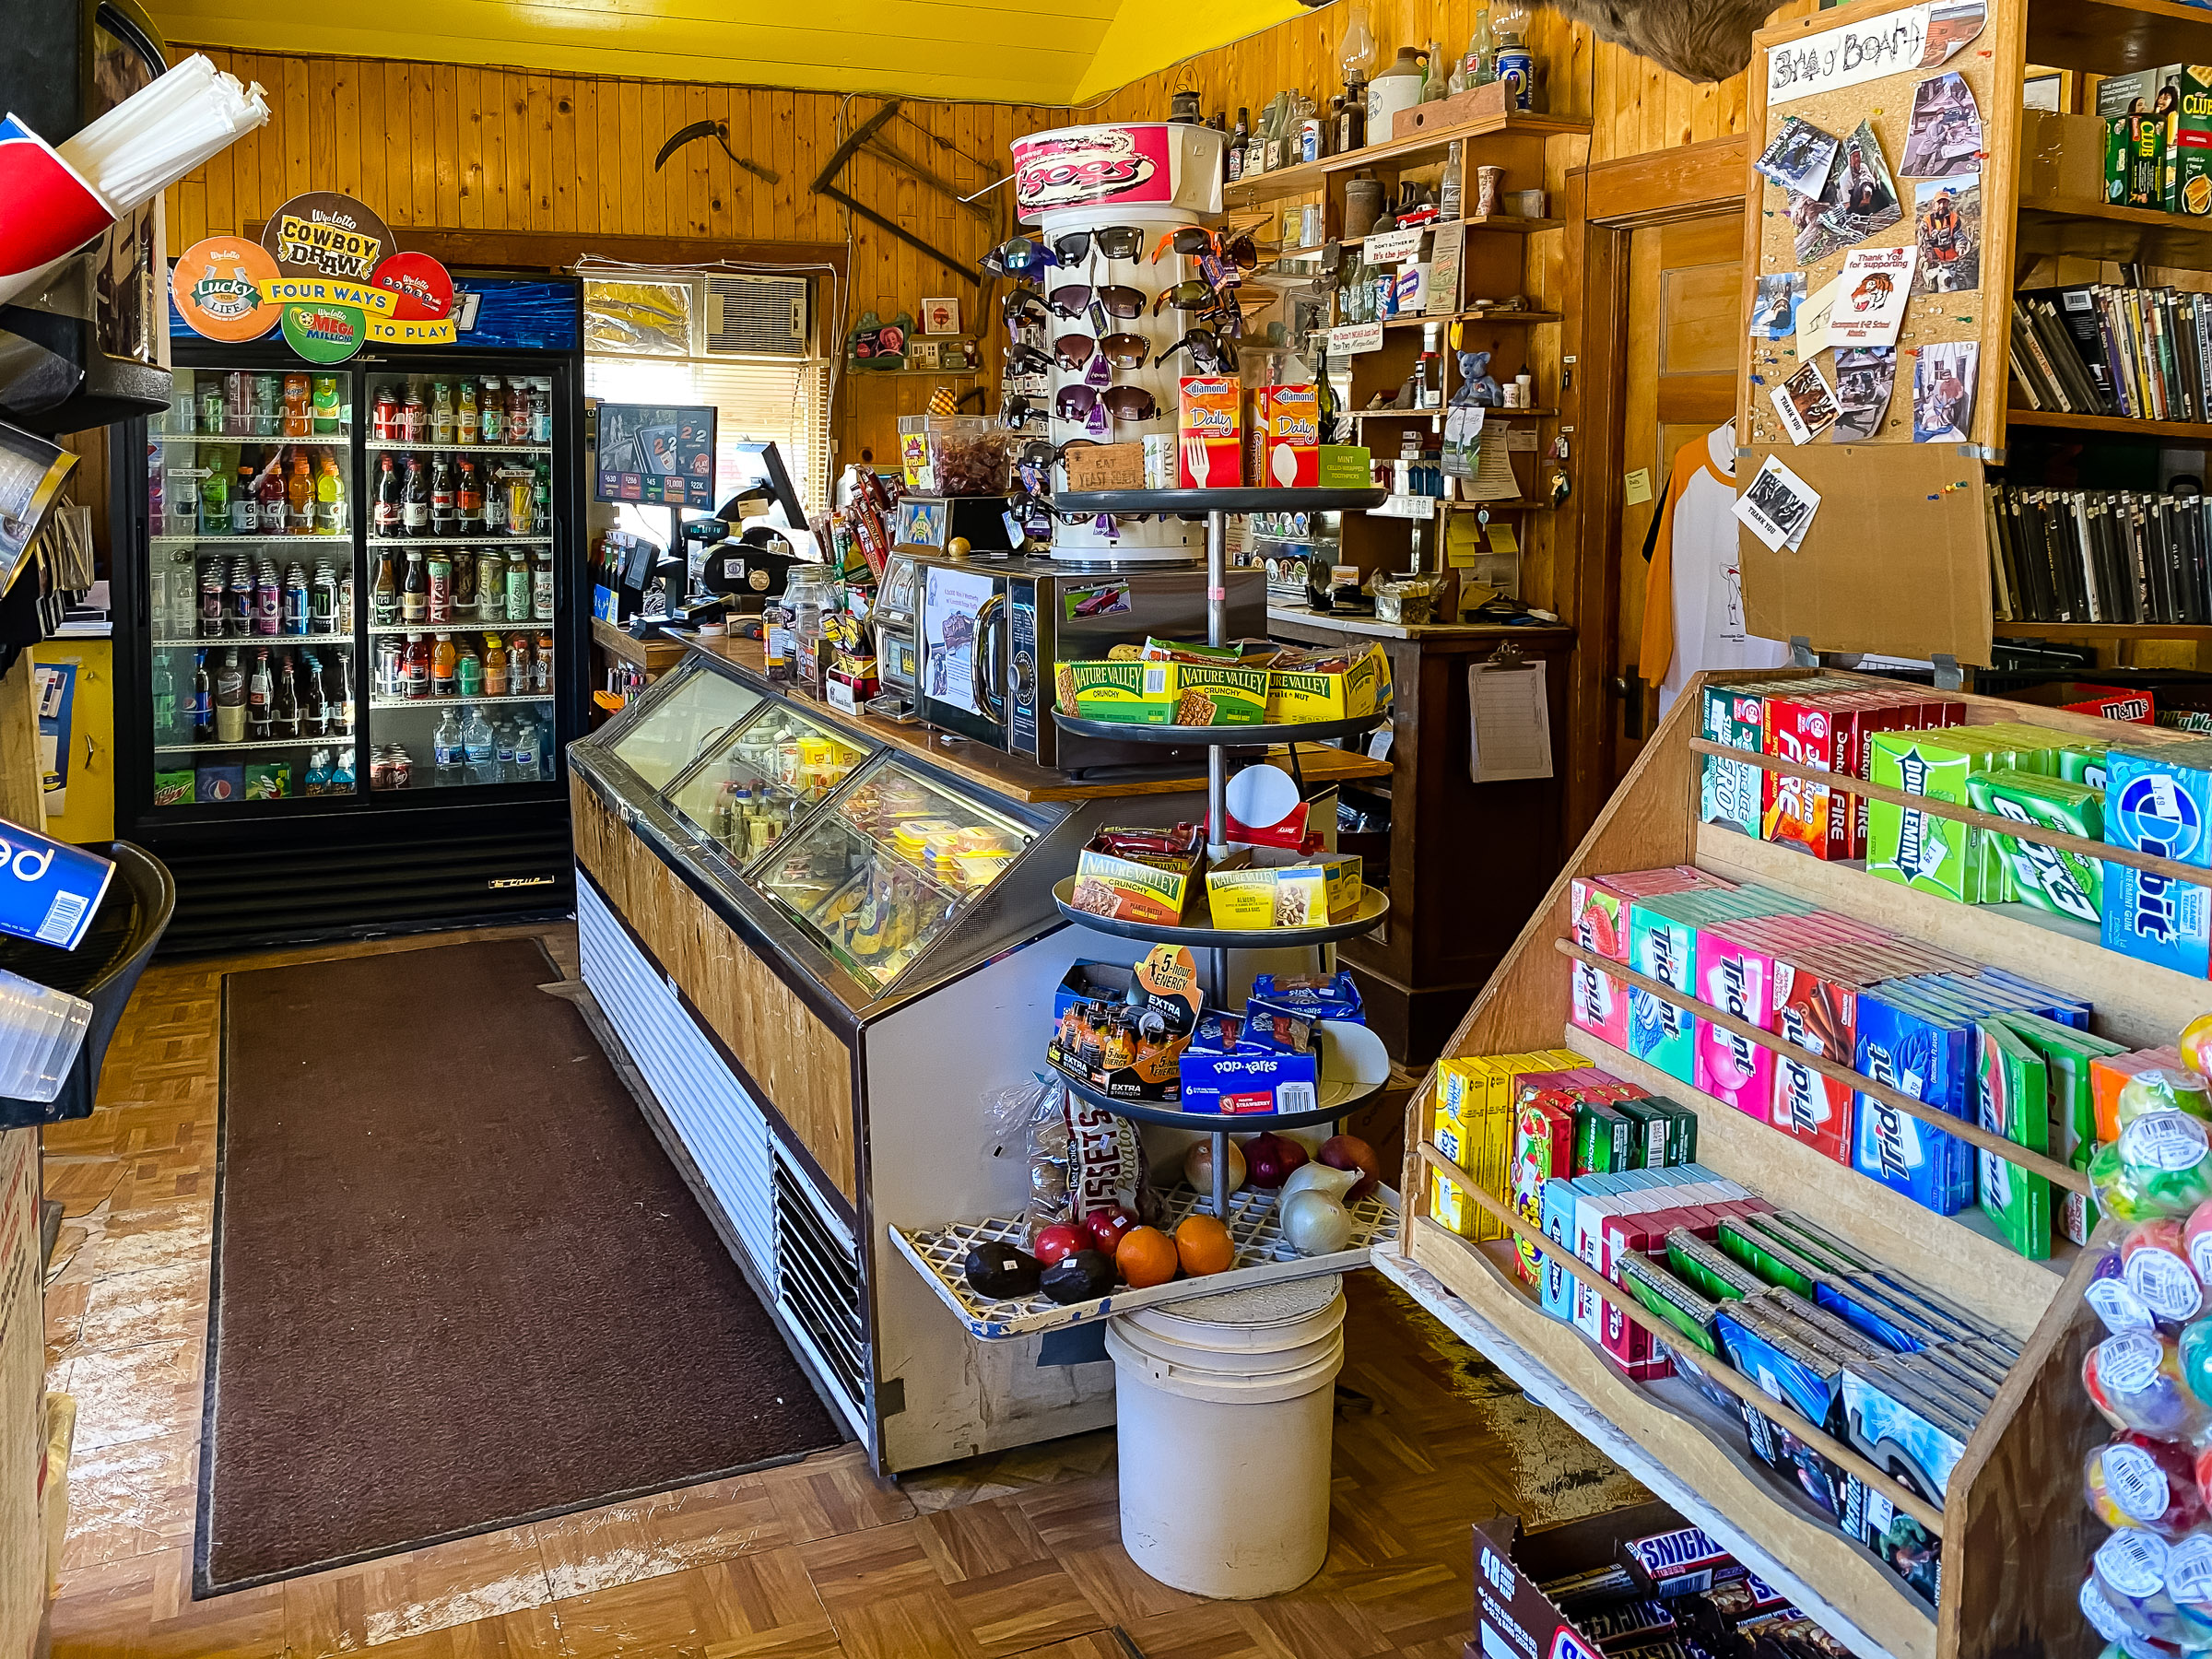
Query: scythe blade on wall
column 864, row 136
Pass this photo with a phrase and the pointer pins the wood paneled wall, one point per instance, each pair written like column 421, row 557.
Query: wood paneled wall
column 447, row 147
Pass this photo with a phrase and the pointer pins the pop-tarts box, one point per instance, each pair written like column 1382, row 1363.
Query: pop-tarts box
column 1246, row 1078
column 52, row 890
column 2159, row 803
column 1921, row 1053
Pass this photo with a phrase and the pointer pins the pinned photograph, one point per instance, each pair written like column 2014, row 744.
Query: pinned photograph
column 1861, row 198
column 1943, row 392
column 1870, row 296
column 1945, row 135
column 1806, row 404
column 1778, row 508
column 1947, row 222
column 1865, row 376
column 1800, row 158
column 1812, row 320
column 1814, row 241
column 1774, row 306
column 1951, row 26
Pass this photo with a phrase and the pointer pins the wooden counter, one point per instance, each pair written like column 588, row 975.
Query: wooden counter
column 1009, row 775
column 655, row 654
column 1468, row 861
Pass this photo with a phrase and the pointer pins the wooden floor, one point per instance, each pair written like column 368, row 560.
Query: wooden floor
column 1013, row 1554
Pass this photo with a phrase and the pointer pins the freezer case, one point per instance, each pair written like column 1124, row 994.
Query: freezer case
column 244, row 656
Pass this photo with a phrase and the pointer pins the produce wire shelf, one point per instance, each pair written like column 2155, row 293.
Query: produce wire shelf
column 1263, row 1257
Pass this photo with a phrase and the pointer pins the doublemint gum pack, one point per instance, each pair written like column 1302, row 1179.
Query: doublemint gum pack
column 2158, row 802
column 1939, row 856
column 2012, row 1100
column 2051, row 878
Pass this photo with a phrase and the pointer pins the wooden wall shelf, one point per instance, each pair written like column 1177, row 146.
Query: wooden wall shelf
column 2101, row 231
column 2017, row 1536
column 2110, row 426
column 1395, row 156
column 2114, row 37
column 2090, row 632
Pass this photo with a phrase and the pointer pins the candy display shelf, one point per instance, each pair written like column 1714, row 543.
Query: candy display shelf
column 2015, row 1533
column 1246, row 737
column 1373, row 907
column 1263, row 1257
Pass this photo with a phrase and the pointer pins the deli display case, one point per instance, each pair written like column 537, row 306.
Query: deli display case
column 825, row 950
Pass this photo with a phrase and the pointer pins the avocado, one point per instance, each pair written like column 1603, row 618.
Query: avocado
column 1001, row 1270
column 1083, row 1276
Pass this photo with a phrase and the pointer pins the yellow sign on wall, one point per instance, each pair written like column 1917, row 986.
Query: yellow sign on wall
column 326, row 290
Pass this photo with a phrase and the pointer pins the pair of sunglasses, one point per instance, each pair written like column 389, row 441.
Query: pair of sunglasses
column 1039, row 452
column 1123, row 403
column 1188, row 240
column 1021, row 412
column 1114, row 241
column 1027, row 360
column 1193, row 295
column 1017, row 257
column 1023, row 306
column 1209, row 352
column 1115, row 299
column 1123, row 350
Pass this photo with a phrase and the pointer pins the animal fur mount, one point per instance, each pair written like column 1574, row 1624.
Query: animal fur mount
column 1697, row 39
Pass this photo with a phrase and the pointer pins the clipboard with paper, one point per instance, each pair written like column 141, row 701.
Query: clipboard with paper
column 1510, row 724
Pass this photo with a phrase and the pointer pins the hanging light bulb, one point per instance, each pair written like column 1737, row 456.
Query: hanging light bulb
column 1355, row 51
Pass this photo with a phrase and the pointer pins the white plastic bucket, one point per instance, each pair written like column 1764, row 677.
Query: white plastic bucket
column 1224, row 1414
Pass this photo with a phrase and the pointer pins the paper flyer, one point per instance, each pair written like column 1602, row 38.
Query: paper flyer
column 1778, row 508
column 1871, row 295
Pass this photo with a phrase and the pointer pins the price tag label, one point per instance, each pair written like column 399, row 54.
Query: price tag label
column 1355, row 337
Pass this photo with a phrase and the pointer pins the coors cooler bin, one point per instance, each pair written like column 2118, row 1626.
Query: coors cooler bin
column 350, row 628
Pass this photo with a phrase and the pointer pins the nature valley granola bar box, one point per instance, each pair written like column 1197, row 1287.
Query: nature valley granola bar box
column 1329, row 686
column 1131, row 693
column 1215, row 694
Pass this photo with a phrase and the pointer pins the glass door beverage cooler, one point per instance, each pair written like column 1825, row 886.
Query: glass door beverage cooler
column 350, row 648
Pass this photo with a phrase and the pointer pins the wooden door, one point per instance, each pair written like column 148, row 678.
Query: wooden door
column 1684, row 291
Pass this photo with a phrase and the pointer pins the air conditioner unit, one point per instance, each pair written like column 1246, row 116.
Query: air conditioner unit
column 758, row 316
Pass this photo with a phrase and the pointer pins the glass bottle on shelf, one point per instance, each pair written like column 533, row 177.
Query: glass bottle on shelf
column 1479, row 67
column 300, row 499
column 258, row 690
column 442, row 412
column 284, row 699
column 415, row 500
column 415, row 591
column 337, row 686
column 203, row 700
column 215, row 497
column 467, row 419
column 230, row 700
column 1448, row 192
column 383, row 594
column 164, row 694
column 314, row 701
column 491, row 405
column 332, row 517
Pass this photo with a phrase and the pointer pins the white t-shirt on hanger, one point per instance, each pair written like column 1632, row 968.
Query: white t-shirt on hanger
column 1695, row 581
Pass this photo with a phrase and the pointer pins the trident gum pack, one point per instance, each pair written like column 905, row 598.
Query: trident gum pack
column 1601, row 910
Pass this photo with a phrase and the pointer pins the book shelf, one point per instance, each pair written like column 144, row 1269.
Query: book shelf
column 1949, row 600
column 2017, row 1536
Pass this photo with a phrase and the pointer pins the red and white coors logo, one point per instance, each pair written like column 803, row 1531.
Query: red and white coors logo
column 1089, row 164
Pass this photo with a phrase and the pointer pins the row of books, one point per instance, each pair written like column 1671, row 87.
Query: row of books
column 2099, row 555
column 2142, row 353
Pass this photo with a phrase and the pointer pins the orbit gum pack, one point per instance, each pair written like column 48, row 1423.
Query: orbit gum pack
column 2158, row 802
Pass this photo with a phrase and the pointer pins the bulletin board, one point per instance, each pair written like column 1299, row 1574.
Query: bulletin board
column 1919, row 107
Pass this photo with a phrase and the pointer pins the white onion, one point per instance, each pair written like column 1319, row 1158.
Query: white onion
column 1315, row 1223
column 1322, row 1178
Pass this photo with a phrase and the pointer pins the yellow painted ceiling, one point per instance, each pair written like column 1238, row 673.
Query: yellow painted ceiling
column 994, row 51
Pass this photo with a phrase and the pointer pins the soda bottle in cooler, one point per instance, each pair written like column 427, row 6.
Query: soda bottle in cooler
column 469, row 493
column 284, row 699
column 184, row 500
column 300, row 499
column 214, row 495
column 344, row 611
column 332, row 517
column 495, row 502
column 238, row 403
column 492, row 404
column 441, row 665
column 386, row 520
column 518, row 409
column 323, row 404
column 203, row 700
column 541, row 410
column 518, row 585
column 338, row 685
column 230, row 700
column 156, row 499
column 163, row 684
column 269, row 599
column 415, row 591
column 468, row 420
column 414, row 416
column 259, row 690
column 541, row 495
column 443, row 505
column 418, row 665
column 297, row 604
column 269, row 491
column 438, row 576
column 322, row 598
column 183, row 595
column 542, row 665
column 237, row 617
column 518, row 664
column 299, row 406
column 314, row 701
column 268, row 400
column 341, row 773
column 383, row 416
column 183, row 404
column 442, row 412
column 541, row 584
column 213, row 400
column 495, row 665
column 245, row 512
column 318, row 773
column 213, row 586
column 414, row 502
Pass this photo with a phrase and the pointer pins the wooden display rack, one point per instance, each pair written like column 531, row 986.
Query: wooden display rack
column 2017, row 1534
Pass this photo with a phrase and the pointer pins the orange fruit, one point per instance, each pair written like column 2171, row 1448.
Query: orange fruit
column 1146, row 1257
column 1205, row 1246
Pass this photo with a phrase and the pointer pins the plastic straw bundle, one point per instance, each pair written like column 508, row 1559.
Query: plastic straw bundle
column 158, row 135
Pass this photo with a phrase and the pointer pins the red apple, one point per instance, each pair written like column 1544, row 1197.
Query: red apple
column 1270, row 1157
column 1107, row 1226
column 1058, row 1242
column 1349, row 1152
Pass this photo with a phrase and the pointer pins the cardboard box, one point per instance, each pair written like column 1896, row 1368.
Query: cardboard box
column 1219, row 694
column 1286, row 436
column 2193, row 142
column 1269, row 888
column 1152, row 889
column 2062, row 155
column 1231, row 1069
column 1514, row 1618
column 1107, row 466
column 1210, row 430
column 1343, row 466
column 1132, row 692
column 1361, row 687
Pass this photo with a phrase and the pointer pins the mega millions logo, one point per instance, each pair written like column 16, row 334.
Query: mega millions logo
column 1085, row 165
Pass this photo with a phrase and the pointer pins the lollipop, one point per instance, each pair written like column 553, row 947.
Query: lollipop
column 2108, row 1295
column 2136, row 1380
column 2130, row 1568
column 2155, row 1264
column 2134, row 1480
column 2195, row 1045
column 2162, row 1165
column 2167, row 1090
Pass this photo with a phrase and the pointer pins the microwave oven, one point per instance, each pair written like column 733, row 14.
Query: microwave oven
column 988, row 634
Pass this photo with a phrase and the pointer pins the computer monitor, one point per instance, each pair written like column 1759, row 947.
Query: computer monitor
column 761, row 465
